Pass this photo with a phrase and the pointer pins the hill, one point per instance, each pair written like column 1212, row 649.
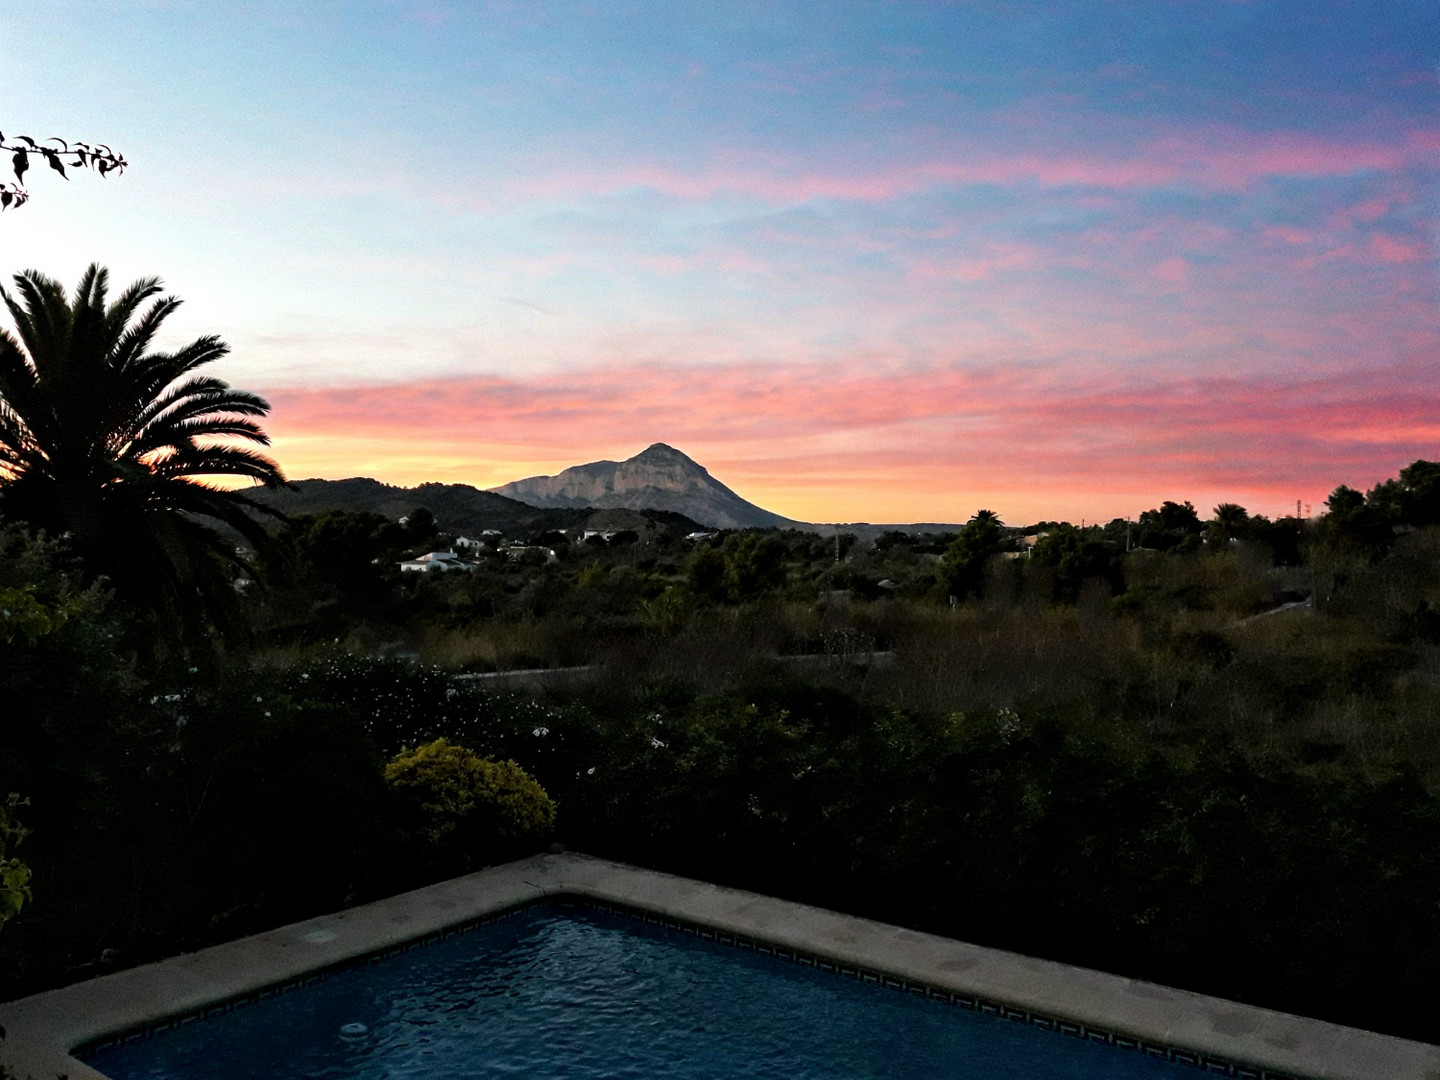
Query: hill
column 459, row 507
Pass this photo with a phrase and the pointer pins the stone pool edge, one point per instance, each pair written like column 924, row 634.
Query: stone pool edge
column 43, row 1030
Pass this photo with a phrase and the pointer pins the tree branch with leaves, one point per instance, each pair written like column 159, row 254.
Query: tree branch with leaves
column 14, row 874
column 75, row 155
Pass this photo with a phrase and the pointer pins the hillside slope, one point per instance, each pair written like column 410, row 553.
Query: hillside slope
column 459, row 508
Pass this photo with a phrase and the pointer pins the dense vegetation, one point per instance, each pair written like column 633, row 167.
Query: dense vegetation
column 1202, row 752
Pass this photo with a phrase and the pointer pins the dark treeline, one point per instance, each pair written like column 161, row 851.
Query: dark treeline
column 1197, row 750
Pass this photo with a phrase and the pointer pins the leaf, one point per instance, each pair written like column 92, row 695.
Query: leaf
column 5, row 198
column 28, row 139
column 54, row 159
column 20, row 162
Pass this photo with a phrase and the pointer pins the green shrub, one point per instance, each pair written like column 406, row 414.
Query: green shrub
column 464, row 811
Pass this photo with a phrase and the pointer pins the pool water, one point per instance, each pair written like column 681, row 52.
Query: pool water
column 578, row 992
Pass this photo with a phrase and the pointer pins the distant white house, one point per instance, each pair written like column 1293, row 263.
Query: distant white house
column 469, row 542
column 699, row 535
column 431, row 562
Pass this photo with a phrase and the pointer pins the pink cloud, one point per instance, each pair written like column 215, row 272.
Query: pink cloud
column 1287, row 234
column 1211, row 158
column 1393, row 249
column 1173, row 271
column 996, row 259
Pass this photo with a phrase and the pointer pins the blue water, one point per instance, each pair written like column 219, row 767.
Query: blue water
column 582, row 993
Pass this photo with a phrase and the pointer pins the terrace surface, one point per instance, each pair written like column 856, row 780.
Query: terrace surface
column 43, row 1030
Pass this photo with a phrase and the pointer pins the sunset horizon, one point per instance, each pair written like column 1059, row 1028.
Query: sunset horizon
column 754, row 483
column 896, row 265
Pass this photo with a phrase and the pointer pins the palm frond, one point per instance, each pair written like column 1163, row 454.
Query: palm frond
column 188, row 461
column 119, row 313
column 196, row 395
column 130, row 347
column 199, row 352
column 187, row 432
column 157, row 373
column 15, row 366
column 42, row 319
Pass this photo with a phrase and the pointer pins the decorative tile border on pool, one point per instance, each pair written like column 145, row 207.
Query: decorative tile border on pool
column 1214, row 1065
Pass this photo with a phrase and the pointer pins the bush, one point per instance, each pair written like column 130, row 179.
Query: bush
column 463, row 811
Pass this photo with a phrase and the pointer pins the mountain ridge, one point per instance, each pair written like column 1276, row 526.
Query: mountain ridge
column 670, row 481
column 461, row 506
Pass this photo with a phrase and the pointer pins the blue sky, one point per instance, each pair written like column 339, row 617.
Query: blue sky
column 865, row 261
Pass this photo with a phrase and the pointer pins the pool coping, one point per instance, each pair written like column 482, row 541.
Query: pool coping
column 43, row 1030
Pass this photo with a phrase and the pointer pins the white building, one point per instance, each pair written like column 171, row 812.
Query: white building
column 431, row 562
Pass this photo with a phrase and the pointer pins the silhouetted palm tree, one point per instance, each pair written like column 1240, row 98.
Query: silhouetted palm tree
column 106, row 441
column 1228, row 523
column 962, row 567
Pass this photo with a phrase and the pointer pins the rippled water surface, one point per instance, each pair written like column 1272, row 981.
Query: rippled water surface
column 573, row 992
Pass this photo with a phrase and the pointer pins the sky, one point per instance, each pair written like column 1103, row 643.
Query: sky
column 884, row 262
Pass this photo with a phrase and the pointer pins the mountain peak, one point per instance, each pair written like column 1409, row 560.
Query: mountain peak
column 658, row 478
column 663, row 454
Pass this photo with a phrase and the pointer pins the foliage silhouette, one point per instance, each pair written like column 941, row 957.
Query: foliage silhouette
column 1075, row 557
column 77, row 155
column 1228, row 524
column 104, row 440
column 962, row 568
column 1411, row 499
column 1173, row 525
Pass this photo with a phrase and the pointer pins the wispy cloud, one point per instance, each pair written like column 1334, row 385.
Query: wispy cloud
column 1204, row 158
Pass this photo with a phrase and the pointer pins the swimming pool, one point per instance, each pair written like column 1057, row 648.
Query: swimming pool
column 579, row 992
column 1227, row 1038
